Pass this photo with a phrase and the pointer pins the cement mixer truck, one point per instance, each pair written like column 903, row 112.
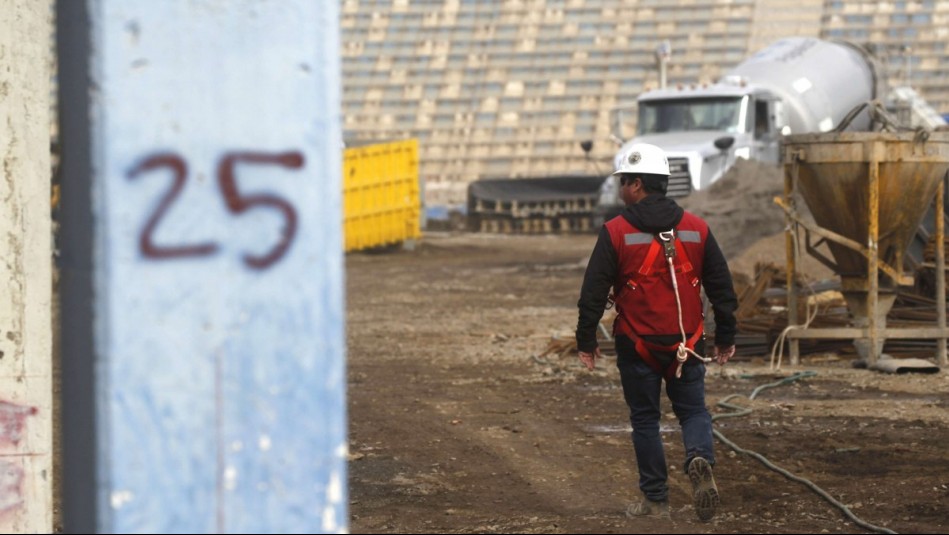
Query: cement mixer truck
column 794, row 86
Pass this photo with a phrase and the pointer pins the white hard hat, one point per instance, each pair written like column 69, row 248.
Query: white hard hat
column 643, row 158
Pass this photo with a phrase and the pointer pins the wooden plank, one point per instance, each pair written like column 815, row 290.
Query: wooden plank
column 852, row 332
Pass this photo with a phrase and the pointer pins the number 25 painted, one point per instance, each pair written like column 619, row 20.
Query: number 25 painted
column 235, row 202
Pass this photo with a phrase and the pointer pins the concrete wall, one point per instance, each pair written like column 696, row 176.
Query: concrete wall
column 25, row 263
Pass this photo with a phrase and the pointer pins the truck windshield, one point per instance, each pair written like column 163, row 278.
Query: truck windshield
column 682, row 115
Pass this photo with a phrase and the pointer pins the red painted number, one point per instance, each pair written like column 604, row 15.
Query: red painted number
column 236, row 203
column 145, row 243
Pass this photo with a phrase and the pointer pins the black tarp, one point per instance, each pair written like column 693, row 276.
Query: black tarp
column 544, row 189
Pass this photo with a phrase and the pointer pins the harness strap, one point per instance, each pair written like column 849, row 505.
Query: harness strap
column 655, row 247
column 686, row 261
column 651, row 256
column 646, row 269
column 645, row 350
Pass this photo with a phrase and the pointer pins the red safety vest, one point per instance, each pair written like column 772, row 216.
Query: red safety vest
column 644, row 296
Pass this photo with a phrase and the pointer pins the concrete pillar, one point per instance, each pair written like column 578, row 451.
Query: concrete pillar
column 203, row 359
column 25, row 269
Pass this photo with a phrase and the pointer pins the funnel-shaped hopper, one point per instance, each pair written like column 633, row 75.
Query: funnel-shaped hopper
column 833, row 177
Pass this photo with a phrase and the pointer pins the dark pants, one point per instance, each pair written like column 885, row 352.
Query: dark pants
column 641, row 387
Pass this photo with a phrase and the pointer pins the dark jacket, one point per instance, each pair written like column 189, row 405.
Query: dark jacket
column 653, row 214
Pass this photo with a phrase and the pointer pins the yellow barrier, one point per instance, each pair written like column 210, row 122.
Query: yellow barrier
column 381, row 204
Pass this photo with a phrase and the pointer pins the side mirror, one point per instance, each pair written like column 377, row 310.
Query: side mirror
column 587, row 146
column 724, row 142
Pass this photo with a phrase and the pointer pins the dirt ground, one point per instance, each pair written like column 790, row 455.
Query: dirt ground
column 456, row 426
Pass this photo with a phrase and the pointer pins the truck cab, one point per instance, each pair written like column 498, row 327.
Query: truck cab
column 703, row 131
column 693, row 125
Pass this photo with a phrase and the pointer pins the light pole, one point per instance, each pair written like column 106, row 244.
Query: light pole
column 908, row 63
column 663, row 51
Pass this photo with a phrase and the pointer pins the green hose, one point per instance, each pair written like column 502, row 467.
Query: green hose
column 744, row 411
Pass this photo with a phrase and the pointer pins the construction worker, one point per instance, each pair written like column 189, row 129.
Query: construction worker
column 659, row 325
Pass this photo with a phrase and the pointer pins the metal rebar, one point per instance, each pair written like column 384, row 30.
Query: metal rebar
column 941, row 272
column 873, row 217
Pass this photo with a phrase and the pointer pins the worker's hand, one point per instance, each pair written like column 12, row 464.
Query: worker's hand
column 589, row 359
column 721, row 354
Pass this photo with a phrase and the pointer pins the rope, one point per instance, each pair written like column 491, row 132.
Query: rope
column 682, row 352
column 777, row 350
column 743, row 411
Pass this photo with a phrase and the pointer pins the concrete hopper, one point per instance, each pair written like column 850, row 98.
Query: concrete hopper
column 868, row 193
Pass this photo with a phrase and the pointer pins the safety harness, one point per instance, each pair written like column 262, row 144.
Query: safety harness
column 669, row 243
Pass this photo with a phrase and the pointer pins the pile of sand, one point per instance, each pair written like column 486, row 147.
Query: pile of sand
column 739, row 207
column 771, row 249
column 748, row 226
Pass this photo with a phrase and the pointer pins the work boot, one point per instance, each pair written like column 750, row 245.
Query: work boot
column 704, row 492
column 648, row 509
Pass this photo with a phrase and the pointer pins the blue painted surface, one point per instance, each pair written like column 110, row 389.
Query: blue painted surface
column 222, row 399
column 443, row 212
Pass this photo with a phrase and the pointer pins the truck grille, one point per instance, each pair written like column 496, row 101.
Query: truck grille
column 680, row 183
